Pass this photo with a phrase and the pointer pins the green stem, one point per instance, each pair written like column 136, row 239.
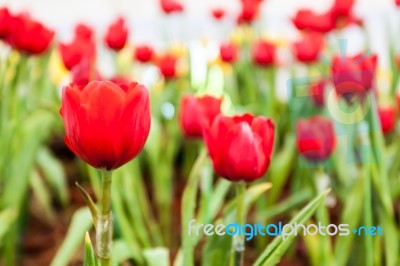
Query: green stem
column 104, row 223
column 238, row 239
column 368, row 215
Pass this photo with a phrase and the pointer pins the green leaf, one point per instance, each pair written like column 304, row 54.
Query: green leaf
column 80, row 223
column 351, row 215
column 274, row 251
column 89, row 258
column 252, row 194
column 156, row 256
column 89, row 203
column 42, row 194
column 189, row 206
column 54, row 174
column 7, row 219
column 120, row 251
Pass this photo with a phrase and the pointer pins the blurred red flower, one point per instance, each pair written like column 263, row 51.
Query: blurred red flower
column 117, row 34
column 318, row 92
column 218, row 13
column 167, row 66
column 76, row 51
column 228, row 52
column 171, row 6
column 387, row 116
column 83, row 31
column 106, row 125
column 315, row 138
column 28, row 35
column 249, row 11
column 144, row 53
column 353, row 75
column 307, row 49
column 263, row 53
column 240, row 147
column 197, row 112
column 306, row 19
column 5, row 22
column 84, row 72
column 342, row 7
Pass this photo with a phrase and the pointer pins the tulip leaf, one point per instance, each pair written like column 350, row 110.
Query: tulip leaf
column 120, row 251
column 156, row 256
column 80, row 223
column 42, row 194
column 89, row 258
column 275, row 250
column 89, row 203
column 53, row 173
column 7, row 219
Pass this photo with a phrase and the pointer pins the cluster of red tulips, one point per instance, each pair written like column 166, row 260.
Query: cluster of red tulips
column 234, row 114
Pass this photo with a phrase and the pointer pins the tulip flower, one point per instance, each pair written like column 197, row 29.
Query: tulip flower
column 143, row 53
column 317, row 93
column 76, row 51
column 306, row 19
column 315, row 138
column 353, row 75
column 308, row 49
column 218, row 13
column 106, row 125
column 397, row 2
column 121, row 81
column 342, row 7
column 197, row 112
column 84, row 72
column 249, row 11
column 83, row 31
column 228, row 52
column 263, row 53
column 117, row 34
column 167, row 66
column 171, row 6
column 240, row 147
column 5, row 22
column 28, row 35
column 387, row 116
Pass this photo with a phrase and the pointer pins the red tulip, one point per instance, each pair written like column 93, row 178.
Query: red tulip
column 83, row 31
column 397, row 2
column 106, row 125
column 306, row 19
column 387, row 116
column 342, row 7
column 315, row 138
column 5, row 22
column 240, row 147
column 263, row 53
column 116, row 35
column 249, row 11
column 28, row 35
column 353, row 75
column 228, row 52
column 76, row 51
column 317, row 93
column 121, row 81
column 218, row 13
column 167, row 66
column 144, row 53
column 308, row 49
column 195, row 113
column 84, row 72
column 171, row 6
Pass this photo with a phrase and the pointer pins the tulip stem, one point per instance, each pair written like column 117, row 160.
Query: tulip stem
column 104, row 222
column 238, row 239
